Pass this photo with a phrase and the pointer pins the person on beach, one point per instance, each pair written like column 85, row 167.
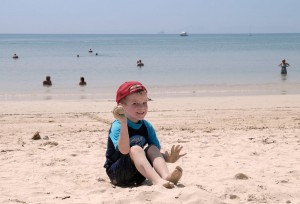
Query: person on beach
column 133, row 150
column 82, row 82
column 283, row 66
column 47, row 82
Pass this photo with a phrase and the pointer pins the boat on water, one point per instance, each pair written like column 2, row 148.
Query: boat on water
column 183, row 34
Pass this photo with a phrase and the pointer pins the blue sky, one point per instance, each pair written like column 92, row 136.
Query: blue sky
column 149, row 17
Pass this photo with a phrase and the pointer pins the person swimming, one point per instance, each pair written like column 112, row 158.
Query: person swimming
column 90, row 50
column 15, row 56
column 139, row 63
column 82, row 82
column 47, row 82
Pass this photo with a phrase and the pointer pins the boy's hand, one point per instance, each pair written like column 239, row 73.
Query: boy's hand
column 174, row 155
column 119, row 113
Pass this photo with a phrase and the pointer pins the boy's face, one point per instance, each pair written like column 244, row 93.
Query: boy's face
column 136, row 106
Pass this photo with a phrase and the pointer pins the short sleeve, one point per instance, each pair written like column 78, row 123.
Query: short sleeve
column 115, row 133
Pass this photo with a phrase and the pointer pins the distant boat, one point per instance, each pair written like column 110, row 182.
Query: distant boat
column 183, row 34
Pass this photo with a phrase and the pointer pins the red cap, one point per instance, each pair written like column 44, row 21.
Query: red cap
column 127, row 88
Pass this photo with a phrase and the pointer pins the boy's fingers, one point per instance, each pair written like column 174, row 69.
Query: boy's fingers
column 119, row 112
column 178, row 148
column 173, row 149
column 182, row 155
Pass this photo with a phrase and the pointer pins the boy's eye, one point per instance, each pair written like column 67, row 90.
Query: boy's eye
column 140, row 104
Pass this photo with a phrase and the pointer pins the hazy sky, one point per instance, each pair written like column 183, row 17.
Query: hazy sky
column 149, row 16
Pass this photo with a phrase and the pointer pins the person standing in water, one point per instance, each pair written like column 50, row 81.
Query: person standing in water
column 283, row 66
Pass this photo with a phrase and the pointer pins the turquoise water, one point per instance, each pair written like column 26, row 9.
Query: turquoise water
column 202, row 61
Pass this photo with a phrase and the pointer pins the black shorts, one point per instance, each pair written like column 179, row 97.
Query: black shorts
column 124, row 173
column 283, row 71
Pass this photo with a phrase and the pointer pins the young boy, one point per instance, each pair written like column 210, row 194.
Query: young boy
column 133, row 150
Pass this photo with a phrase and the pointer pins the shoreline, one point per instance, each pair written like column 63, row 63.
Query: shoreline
column 213, row 90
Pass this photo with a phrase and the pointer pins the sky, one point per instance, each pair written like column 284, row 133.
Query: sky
column 149, row 16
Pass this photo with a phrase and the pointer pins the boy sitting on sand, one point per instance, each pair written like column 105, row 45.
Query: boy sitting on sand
column 133, row 150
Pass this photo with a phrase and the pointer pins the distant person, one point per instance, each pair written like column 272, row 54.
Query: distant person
column 90, row 50
column 96, row 54
column 47, row 82
column 139, row 63
column 82, row 82
column 283, row 66
column 15, row 56
column 77, row 55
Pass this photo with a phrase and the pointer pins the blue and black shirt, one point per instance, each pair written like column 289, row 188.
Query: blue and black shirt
column 141, row 134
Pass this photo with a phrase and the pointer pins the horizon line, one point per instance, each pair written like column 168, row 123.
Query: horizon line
column 148, row 33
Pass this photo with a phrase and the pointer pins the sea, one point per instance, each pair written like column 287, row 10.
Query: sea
column 194, row 65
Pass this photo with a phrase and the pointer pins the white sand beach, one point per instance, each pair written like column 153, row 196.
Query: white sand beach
column 240, row 149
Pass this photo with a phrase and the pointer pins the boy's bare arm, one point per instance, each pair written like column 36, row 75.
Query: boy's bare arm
column 174, row 155
column 123, row 143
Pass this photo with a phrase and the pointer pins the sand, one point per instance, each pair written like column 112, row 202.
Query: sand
column 240, row 149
